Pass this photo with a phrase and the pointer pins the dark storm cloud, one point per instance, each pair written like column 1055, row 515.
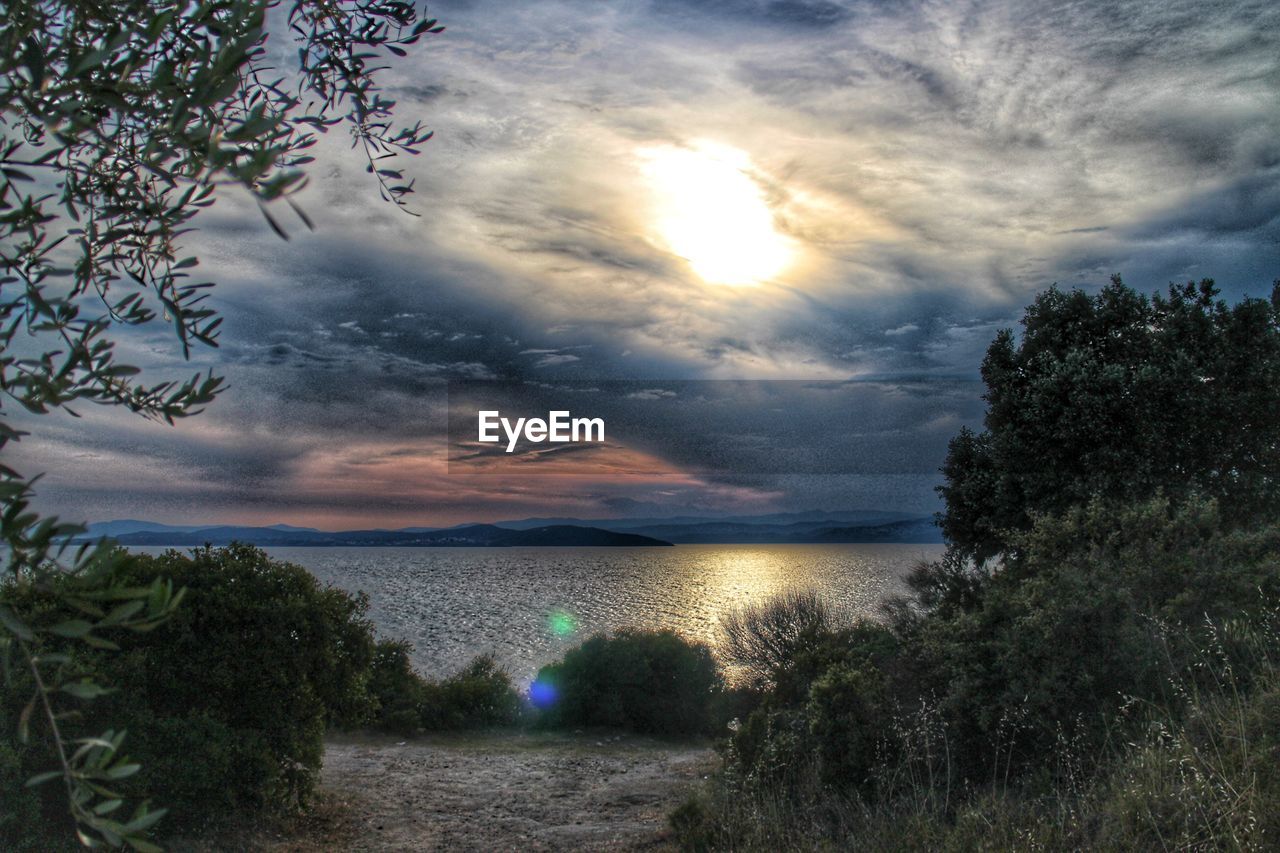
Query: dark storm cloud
column 1248, row 207
column 721, row 428
column 935, row 165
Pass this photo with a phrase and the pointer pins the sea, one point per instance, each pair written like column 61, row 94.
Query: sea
column 527, row 606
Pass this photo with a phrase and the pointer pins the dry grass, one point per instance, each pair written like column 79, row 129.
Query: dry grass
column 1199, row 774
column 331, row 822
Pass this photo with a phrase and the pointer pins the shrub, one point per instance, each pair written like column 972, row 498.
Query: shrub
column 1200, row 773
column 647, row 681
column 480, row 695
column 693, row 825
column 1006, row 718
column 763, row 640
column 1072, row 624
column 850, row 718
column 396, row 689
column 226, row 704
column 828, row 712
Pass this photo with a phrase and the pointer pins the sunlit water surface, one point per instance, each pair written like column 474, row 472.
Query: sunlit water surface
column 528, row 605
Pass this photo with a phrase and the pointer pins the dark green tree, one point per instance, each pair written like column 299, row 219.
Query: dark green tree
column 119, row 123
column 1119, row 396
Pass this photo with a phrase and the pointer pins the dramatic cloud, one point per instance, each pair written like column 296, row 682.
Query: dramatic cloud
column 927, row 166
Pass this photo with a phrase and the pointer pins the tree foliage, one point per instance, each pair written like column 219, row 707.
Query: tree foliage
column 1099, row 640
column 227, row 700
column 1122, row 397
column 119, row 124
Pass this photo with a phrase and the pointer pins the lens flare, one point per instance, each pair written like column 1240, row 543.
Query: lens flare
column 542, row 694
column 562, row 623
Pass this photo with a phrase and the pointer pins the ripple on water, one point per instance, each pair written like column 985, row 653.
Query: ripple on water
column 455, row 603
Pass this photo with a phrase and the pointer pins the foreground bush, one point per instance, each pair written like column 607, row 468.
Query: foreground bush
column 647, row 681
column 1113, row 685
column 226, row 704
column 1202, row 773
column 479, row 696
column 1077, row 624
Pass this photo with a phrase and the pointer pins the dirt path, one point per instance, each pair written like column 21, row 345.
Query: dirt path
column 508, row 791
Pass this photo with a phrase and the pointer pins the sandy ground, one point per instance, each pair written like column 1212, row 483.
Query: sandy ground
column 502, row 791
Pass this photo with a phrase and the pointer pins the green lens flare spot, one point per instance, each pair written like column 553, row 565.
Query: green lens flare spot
column 562, row 624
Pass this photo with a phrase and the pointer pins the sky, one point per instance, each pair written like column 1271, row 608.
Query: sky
column 846, row 199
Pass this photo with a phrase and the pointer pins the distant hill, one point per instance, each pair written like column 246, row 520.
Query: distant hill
column 814, row 526
column 130, row 525
column 471, row 536
column 916, row 531
column 906, row 531
column 815, row 517
column 126, row 526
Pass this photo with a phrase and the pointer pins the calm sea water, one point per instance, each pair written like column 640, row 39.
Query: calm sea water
column 528, row 605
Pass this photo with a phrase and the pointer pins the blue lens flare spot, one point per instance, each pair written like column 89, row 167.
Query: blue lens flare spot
column 542, row 694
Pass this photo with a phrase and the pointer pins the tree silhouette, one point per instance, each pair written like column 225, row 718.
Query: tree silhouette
column 1121, row 397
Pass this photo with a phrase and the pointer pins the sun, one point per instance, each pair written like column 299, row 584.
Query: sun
column 712, row 212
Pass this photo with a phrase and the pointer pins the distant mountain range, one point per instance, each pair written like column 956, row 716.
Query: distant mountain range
column 777, row 528
column 909, row 530
column 818, row 517
column 469, row 536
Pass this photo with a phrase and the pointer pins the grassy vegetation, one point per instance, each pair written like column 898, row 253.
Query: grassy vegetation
column 480, row 695
column 1200, row 771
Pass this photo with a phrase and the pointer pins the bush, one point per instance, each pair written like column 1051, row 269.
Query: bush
column 1005, row 718
column 1200, row 773
column 647, row 681
column 850, row 719
column 227, row 702
column 762, row 641
column 230, row 699
column 398, row 692
column 828, row 713
column 480, row 695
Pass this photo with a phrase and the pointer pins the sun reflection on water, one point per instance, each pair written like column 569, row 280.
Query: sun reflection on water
column 528, row 606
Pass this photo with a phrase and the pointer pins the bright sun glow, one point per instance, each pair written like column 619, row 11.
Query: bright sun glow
column 712, row 213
